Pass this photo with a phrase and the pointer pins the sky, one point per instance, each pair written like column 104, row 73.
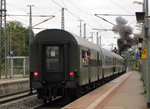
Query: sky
column 76, row 10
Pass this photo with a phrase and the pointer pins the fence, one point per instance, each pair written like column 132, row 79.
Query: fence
column 17, row 66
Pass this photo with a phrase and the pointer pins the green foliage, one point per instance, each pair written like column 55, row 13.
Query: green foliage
column 19, row 36
column 14, row 41
column 144, row 94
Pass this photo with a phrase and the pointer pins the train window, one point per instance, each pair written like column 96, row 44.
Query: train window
column 52, row 59
column 85, row 57
column 83, row 54
column 52, row 51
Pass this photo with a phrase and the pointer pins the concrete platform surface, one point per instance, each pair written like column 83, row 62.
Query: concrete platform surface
column 99, row 97
column 10, row 80
column 13, row 85
column 129, row 96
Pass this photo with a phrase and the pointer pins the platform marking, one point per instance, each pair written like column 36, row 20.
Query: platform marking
column 113, row 108
column 100, row 99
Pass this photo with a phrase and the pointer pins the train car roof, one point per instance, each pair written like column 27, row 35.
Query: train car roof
column 111, row 54
column 85, row 42
column 45, row 35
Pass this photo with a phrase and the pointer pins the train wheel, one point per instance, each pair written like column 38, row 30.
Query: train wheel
column 75, row 92
column 78, row 91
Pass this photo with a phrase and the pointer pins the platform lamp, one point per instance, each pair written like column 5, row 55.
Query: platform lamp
column 140, row 16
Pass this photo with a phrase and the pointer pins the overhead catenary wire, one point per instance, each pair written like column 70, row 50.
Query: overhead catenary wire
column 98, row 15
column 15, row 6
column 72, row 12
column 32, row 15
column 105, row 20
column 79, row 8
column 120, row 6
column 51, row 16
column 64, row 4
column 57, row 3
column 83, row 12
column 43, row 21
column 19, row 19
column 115, row 15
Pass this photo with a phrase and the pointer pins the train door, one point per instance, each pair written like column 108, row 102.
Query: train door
column 53, row 63
column 98, row 65
column 114, row 65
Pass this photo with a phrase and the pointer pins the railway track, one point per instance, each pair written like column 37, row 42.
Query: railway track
column 15, row 96
column 27, row 100
column 57, row 103
column 30, row 101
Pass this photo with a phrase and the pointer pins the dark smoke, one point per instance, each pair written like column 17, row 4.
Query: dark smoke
column 122, row 45
column 125, row 42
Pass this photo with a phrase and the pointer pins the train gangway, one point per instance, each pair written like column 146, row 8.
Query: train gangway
column 125, row 92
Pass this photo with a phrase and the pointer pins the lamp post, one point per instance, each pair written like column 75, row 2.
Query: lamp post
column 138, row 2
column 148, row 52
column 146, row 45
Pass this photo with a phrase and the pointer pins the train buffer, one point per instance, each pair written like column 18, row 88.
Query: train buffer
column 125, row 92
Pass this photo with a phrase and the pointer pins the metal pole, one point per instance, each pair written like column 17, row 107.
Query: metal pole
column 92, row 36
column 62, row 20
column 100, row 40
column 30, row 32
column 85, row 30
column 30, row 23
column 1, row 37
column 148, row 53
column 144, row 76
column 97, row 38
column 80, row 27
column 11, row 66
column 10, row 51
column 24, row 66
column 5, row 39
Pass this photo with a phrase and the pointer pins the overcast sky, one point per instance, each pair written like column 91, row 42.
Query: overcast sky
column 76, row 10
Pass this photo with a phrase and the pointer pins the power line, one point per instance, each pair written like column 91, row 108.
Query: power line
column 43, row 21
column 19, row 19
column 15, row 6
column 80, row 8
column 102, row 29
column 82, row 11
column 57, row 3
column 105, row 19
column 64, row 3
column 32, row 15
column 120, row 6
column 51, row 16
column 69, row 11
column 115, row 15
column 73, row 13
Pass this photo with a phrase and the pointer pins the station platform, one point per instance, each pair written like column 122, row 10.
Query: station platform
column 13, row 85
column 129, row 96
column 124, row 92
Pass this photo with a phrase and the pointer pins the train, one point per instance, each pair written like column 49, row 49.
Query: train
column 64, row 64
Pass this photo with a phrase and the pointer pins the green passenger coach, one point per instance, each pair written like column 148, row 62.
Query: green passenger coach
column 64, row 64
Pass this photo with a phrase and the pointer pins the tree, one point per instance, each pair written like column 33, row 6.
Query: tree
column 18, row 38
